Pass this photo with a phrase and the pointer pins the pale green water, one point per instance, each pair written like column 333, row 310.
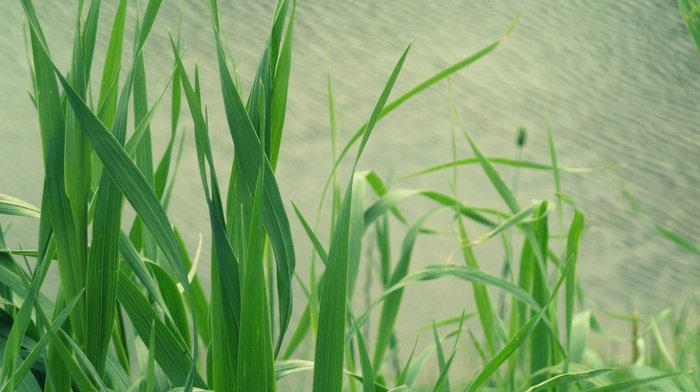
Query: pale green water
column 622, row 79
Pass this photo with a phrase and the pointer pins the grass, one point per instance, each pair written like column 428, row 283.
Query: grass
column 131, row 313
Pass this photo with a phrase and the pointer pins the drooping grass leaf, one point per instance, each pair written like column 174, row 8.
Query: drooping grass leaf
column 568, row 378
column 13, row 206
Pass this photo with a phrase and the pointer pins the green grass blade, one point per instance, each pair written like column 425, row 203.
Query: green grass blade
column 392, row 304
column 356, row 233
column 13, row 206
column 280, row 90
column 53, row 134
column 365, row 364
column 568, row 378
column 330, row 346
column 690, row 11
column 256, row 371
column 505, row 162
column 108, row 99
column 173, row 301
column 572, row 246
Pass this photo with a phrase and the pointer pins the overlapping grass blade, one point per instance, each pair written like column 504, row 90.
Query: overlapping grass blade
column 256, row 371
column 52, row 124
column 247, row 150
column 515, row 341
column 171, row 352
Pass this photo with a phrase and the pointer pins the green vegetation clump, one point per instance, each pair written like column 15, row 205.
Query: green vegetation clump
column 132, row 314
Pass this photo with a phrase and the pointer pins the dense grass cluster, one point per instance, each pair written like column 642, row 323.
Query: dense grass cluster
column 131, row 313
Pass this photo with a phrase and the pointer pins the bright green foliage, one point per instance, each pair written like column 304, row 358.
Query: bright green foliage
column 132, row 314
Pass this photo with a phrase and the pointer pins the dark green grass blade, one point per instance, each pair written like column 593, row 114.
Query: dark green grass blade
column 200, row 304
column 22, row 318
column 53, row 133
column 13, row 206
column 542, row 352
column 39, row 348
column 173, row 301
column 171, row 353
column 256, row 371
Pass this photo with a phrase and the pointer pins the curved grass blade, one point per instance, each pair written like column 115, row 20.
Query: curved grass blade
column 411, row 93
column 13, row 206
column 568, row 378
column 171, row 352
column 506, row 162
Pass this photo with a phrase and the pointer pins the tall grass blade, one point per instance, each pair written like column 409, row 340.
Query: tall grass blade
column 392, row 304
column 247, row 149
column 256, row 371
column 53, row 134
column 631, row 384
column 330, row 346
